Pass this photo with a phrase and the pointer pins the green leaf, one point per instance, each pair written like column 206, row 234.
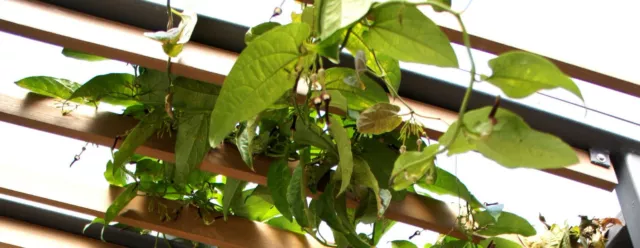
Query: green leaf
column 49, row 86
column 244, row 141
column 386, row 67
column 151, row 87
column 191, row 144
column 448, row 184
column 258, row 30
column 136, row 137
column 512, row 143
column 284, row 223
column 443, row 2
column 379, row 156
column 500, row 243
column 296, row 194
column 347, row 222
column 380, row 227
column 278, row 179
column 345, row 165
column 311, row 134
column 119, row 203
column 194, row 96
column 411, row 166
column 336, row 14
column 263, row 72
column 174, row 39
column 253, row 207
column 508, row 223
column 231, row 189
column 461, row 144
column 330, row 47
column 402, row 244
column 74, row 54
column 114, row 88
column 404, row 33
column 115, row 177
column 362, row 175
column 519, row 74
column 345, row 80
column 379, row 118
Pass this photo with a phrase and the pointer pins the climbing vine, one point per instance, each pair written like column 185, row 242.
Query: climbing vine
column 288, row 99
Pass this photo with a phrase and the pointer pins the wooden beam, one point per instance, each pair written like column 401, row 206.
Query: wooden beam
column 15, row 233
column 78, row 31
column 61, row 190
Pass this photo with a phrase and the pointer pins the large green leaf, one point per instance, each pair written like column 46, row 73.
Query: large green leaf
column 500, row 243
column 336, row 14
column 448, row 184
column 191, row 144
column 380, row 227
column 402, row 244
column 194, row 96
column 379, row 156
column 345, row 80
column 263, row 72
column 49, row 86
column 411, row 166
column 385, row 65
column 136, row 137
column 232, row 189
column 258, row 30
column 120, row 202
column 286, row 224
column 508, row 223
column 296, row 195
column 347, row 222
column 114, row 88
column 362, row 175
column 511, row 142
column 310, row 134
column 252, row 206
column 379, row 118
column 74, row 54
column 244, row 141
column 345, row 165
column 519, row 74
column 117, row 177
column 278, row 179
column 151, row 87
column 404, row 33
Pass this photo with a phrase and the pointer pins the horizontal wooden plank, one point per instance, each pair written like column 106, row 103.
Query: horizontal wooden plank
column 61, row 190
column 114, row 40
column 15, row 233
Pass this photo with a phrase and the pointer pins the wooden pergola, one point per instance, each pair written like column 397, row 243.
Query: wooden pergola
column 126, row 43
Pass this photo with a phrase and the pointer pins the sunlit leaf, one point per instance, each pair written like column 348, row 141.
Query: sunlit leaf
column 404, row 33
column 345, row 165
column 263, row 72
column 244, row 141
column 402, row 244
column 174, row 39
column 136, row 137
column 278, row 179
column 117, row 177
column 191, row 144
column 379, row 118
column 336, row 14
column 519, row 74
column 500, row 243
column 49, row 86
column 114, row 88
column 411, row 166
column 232, row 189
column 385, row 66
column 508, row 223
column 345, row 81
column 283, row 223
column 74, row 54
column 311, row 134
column 151, row 87
column 448, row 184
column 252, row 206
column 258, row 30
column 119, row 203
column 193, row 96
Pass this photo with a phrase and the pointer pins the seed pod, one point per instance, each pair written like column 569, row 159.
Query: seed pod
column 403, row 149
column 327, row 100
column 317, row 102
column 167, row 104
column 276, row 12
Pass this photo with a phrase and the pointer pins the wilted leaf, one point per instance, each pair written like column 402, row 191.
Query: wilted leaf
column 379, row 118
column 519, row 74
column 404, row 33
column 174, row 39
column 74, row 54
column 278, row 179
column 262, row 73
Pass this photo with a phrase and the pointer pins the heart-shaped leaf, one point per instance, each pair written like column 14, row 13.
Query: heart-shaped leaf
column 379, row 118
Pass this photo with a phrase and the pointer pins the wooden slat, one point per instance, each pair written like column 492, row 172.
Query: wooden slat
column 114, row 40
column 15, row 233
column 61, row 190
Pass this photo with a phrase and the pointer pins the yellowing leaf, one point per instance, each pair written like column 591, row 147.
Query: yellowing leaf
column 519, row 74
column 379, row 118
